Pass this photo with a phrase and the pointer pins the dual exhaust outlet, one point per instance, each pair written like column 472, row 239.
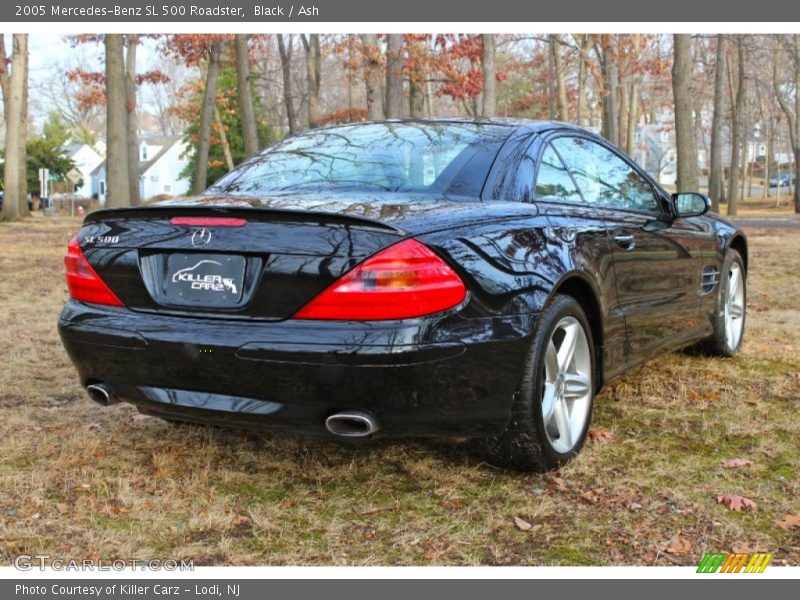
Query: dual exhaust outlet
column 350, row 424
column 101, row 393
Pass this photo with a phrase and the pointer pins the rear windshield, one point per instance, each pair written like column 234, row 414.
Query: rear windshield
column 442, row 158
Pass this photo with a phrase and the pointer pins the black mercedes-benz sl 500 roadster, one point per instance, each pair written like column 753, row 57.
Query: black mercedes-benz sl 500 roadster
column 409, row 278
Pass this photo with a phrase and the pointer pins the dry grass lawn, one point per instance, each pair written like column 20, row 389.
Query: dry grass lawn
column 79, row 481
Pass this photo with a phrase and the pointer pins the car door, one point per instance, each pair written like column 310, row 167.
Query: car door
column 657, row 262
column 582, row 232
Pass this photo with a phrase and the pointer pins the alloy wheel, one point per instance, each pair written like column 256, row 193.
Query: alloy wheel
column 734, row 307
column 567, row 390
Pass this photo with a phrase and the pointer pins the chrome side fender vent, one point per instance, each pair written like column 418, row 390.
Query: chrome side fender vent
column 709, row 278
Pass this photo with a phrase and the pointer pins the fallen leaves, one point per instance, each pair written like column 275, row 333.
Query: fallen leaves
column 678, row 545
column 524, row 525
column 599, row 436
column 560, row 484
column 704, row 396
column 736, row 503
column 241, row 521
column 740, row 547
column 735, row 463
column 789, row 522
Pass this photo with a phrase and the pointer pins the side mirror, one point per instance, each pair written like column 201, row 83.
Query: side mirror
column 690, row 204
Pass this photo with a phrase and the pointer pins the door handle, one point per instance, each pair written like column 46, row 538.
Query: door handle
column 625, row 240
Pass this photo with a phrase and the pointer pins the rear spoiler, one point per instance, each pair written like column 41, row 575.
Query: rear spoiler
column 249, row 212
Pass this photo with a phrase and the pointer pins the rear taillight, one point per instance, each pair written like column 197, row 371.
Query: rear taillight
column 403, row 281
column 83, row 282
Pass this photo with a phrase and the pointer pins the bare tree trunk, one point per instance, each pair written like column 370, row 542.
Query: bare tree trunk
column 622, row 115
column 612, row 102
column 745, row 150
column 489, row 108
column 351, row 57
column 223, row 139
column 796, row 124
column 118, row 184
column 416, row 92
column 132, row 41
column 416, row 99
column 560, row 76
column 793, row 114
column 551, row 83
column 23, row 138
column 610, row 76
column 582, row 72
column 737, row 133
column 715, row 168
column 770, row 156
column 699, row 128
column 394, row 76
column 14, row 106
column 797, row 180
column 247, row 114
column 5, row 84
column 372, row 76
column 633, row 113
column 313, row 76
column 286, row 67
column 206, row 117
column 684, row 122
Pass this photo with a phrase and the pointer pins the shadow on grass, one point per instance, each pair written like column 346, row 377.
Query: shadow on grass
column 458, row 453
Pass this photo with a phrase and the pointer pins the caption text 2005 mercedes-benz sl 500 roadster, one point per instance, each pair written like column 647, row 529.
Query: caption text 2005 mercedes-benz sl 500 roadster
column 410, row 278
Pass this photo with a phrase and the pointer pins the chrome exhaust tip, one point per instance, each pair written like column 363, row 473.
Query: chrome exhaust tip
column 353, row 424
column 101, row 394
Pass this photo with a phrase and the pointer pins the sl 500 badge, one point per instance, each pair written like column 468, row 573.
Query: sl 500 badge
column 101, row 239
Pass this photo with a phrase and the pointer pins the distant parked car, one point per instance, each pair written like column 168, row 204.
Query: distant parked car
column 782, row 180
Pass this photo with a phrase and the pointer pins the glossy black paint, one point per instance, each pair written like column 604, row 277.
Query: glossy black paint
column 454, row 373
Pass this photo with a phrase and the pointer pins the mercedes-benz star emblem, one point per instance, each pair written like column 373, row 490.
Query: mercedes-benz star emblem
column 201, row 237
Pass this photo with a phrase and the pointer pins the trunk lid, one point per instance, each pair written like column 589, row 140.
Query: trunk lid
column 231, row 261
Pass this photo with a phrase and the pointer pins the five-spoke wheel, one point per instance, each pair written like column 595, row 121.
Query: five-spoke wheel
column 567, row 389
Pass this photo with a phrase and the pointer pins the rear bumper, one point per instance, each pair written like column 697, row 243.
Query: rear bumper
column 416, row 378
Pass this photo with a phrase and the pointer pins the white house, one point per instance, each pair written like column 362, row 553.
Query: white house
column 98, row 182
column 162, row 159
column 86, row 160
column 655, row 151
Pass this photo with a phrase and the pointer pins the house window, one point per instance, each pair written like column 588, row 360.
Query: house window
column 167, row 189
column 102, row 187
column 144, row 151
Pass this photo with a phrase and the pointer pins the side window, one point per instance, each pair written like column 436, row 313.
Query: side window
column 605, row 179
column 553, row 181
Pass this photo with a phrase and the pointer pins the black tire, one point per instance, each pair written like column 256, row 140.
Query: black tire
column 525, row 445
column 718, row 344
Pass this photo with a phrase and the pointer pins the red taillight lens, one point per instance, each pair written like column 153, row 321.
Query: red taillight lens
column 83, row 282
column 403, row 281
